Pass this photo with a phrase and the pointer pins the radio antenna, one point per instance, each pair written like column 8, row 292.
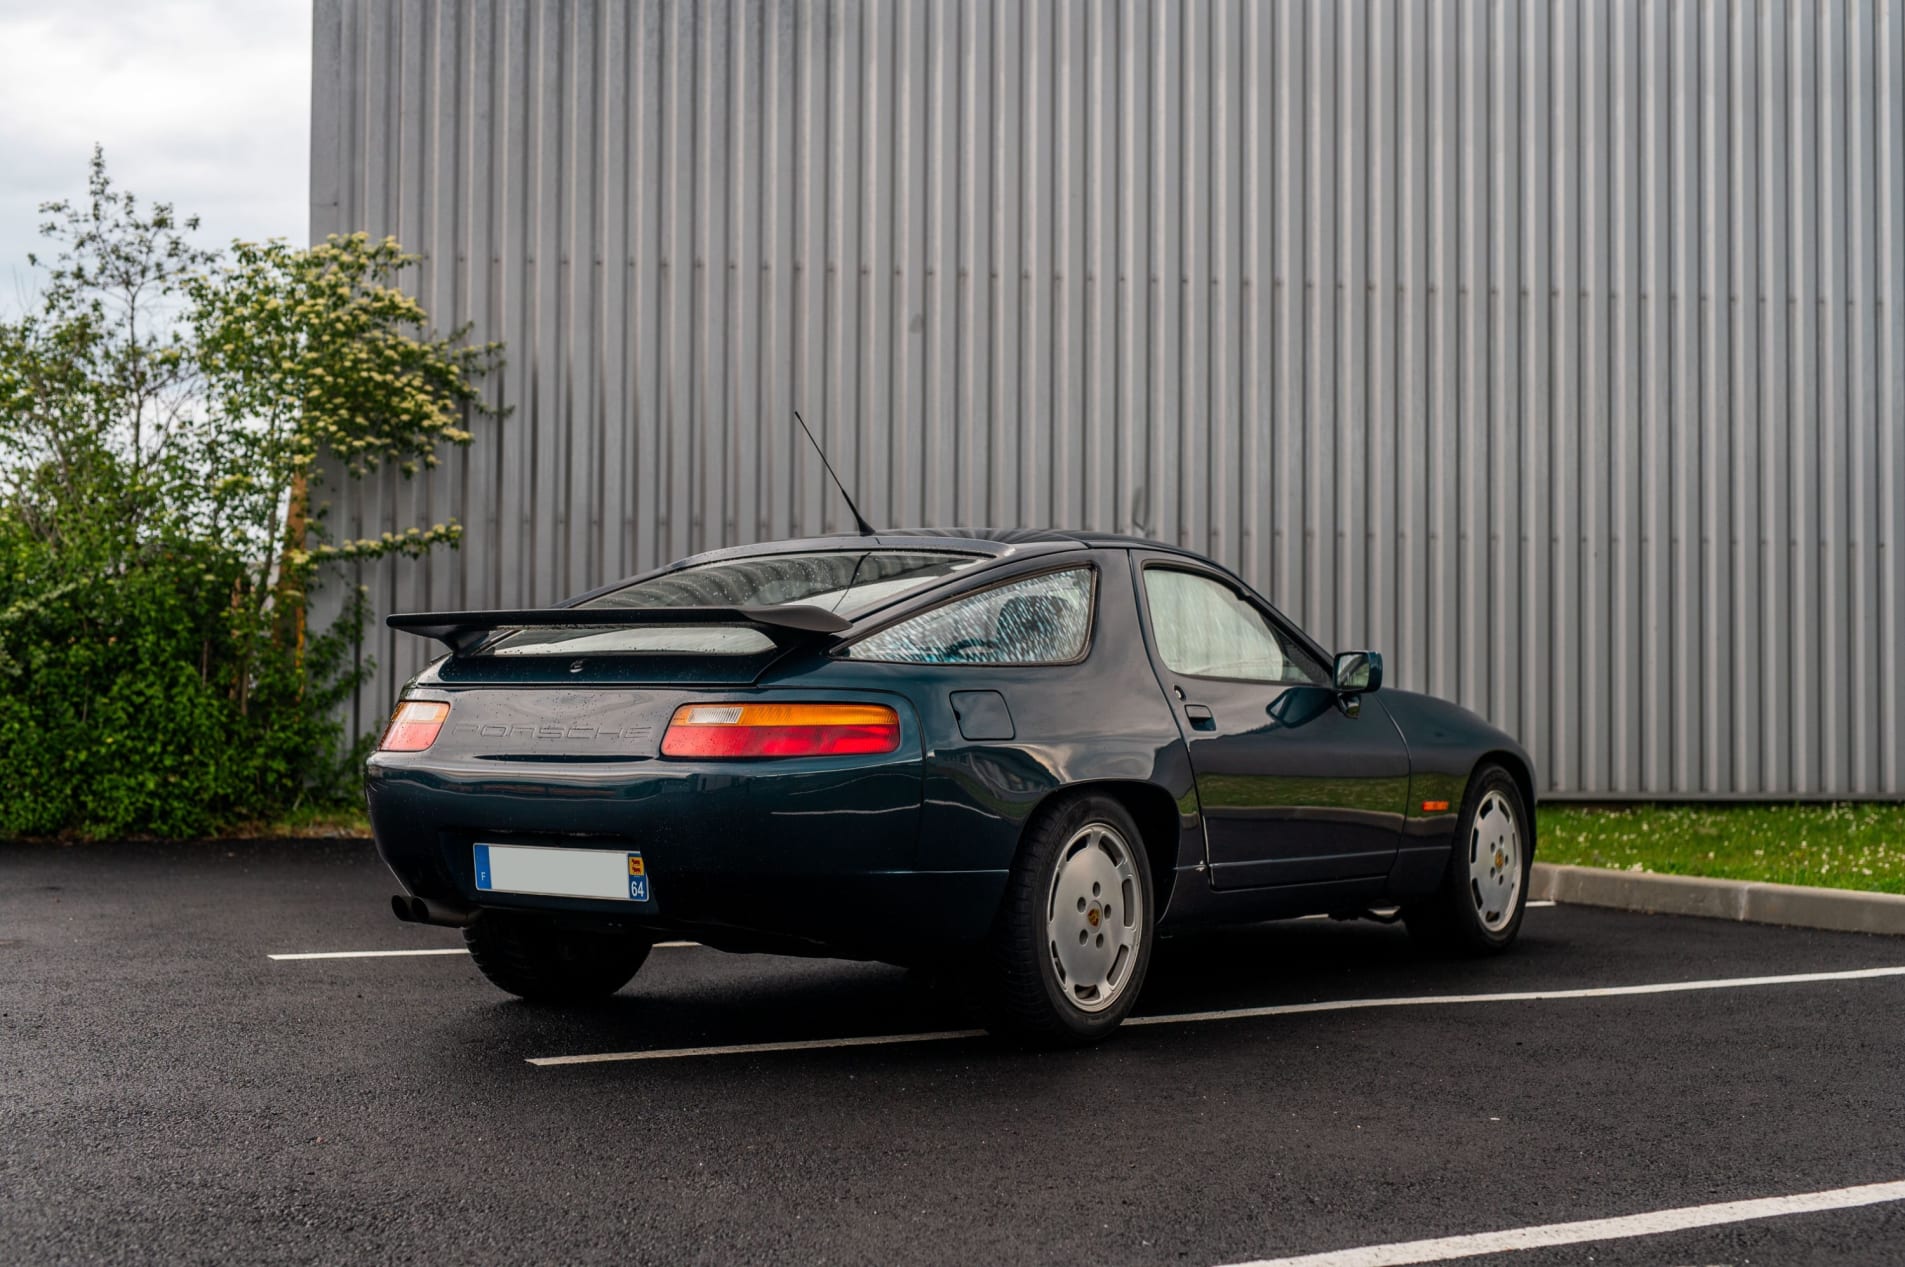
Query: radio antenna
column 859, row 520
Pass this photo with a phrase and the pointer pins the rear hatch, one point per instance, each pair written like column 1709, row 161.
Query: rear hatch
column 554, row 738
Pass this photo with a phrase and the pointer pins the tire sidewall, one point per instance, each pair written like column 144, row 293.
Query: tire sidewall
column 1044, row 856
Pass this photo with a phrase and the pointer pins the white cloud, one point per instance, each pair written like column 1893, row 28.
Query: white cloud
column 201, row 103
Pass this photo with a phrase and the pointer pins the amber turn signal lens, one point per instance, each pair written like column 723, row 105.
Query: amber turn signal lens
column 1435, row 807
column 725, row 731
column 414, row 726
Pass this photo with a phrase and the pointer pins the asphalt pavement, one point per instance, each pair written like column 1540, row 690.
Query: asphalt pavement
column 169, row 1092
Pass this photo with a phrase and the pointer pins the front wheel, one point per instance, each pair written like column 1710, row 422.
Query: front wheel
column 1478, row 908
column 1074, row 937
column 535, row 960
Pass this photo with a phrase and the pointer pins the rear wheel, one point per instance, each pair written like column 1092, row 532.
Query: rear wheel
column 1074, row 936
column 1478, row 908
column 535, row 960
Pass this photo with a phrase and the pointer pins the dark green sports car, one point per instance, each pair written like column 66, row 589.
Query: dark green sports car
column 1020, row 755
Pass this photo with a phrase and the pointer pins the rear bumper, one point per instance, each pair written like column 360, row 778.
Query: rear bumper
column 813, row 856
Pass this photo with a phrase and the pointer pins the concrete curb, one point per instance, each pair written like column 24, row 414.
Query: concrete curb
column 1793, row 905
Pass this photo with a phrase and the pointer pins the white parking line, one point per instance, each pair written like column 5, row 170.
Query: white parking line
column 395, row 954
column 1444, row 1248
column 370, row 954
column 741, row 1049
column 458, row 950
column 1248, row 1013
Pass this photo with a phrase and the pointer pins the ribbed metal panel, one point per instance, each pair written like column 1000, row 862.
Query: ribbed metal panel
column 1555, row 349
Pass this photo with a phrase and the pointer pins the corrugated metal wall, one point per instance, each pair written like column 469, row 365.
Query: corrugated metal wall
column 1554, row 348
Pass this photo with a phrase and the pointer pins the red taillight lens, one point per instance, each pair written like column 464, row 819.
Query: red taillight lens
column 414, row 726
column 780, row 730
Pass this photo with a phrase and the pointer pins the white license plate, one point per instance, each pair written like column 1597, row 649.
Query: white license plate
column 611, row 874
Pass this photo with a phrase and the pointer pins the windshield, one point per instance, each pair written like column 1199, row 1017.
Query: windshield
column 844, row 581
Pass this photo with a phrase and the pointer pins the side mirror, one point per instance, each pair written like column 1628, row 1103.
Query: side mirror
column 1358, row 672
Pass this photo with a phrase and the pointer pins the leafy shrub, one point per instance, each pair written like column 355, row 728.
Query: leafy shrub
column 119, row 710
column 167, row 417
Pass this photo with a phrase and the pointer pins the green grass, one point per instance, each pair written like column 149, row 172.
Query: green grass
column 308, row 822
column 1851, row 846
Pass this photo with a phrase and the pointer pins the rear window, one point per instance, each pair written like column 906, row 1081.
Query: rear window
column 843, row 581
column 635, row 640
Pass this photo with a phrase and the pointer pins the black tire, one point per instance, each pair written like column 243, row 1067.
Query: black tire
column 1455, row 919
column 535, row 960
column 1024, row 996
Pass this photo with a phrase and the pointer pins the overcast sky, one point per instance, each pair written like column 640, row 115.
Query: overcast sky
column 205, row 104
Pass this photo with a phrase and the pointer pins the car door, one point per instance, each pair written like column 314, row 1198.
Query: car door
column 1298, row 785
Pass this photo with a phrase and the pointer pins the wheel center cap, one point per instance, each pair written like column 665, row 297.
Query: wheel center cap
column 1093, row 916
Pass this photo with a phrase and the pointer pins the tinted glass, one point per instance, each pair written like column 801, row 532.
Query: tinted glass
column 843, row 581
column 1040, row 620
column 1205, row 629
column 636, row 640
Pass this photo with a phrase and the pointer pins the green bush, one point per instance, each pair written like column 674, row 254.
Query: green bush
column 167, row 418
column 120, row 710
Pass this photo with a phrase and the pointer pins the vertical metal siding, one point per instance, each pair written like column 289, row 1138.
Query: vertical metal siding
column 1555, row 349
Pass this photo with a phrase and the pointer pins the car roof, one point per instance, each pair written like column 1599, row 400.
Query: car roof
column 994, row 541
column 1000, row 543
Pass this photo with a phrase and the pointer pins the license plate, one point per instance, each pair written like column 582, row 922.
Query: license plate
column 609, row 874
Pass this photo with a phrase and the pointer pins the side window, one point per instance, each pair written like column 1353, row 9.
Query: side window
column 1040, row 620
column 1205, row 629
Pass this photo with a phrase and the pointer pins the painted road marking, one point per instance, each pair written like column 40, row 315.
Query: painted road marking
column 1248, row 1013
column 394, row 954
column 1442, row 1249
column 742, row 1049
column 1518, row 996
column 458, row 950
column 369, row 954
column 1545, row 901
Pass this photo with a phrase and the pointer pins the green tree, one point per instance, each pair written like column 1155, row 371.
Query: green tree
column 319, row 355
column 168, row 415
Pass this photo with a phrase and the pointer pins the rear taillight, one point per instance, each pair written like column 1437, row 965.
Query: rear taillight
column 414, row 726
column 780, row 730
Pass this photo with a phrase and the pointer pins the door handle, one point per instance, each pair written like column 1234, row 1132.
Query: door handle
column 1200, row 717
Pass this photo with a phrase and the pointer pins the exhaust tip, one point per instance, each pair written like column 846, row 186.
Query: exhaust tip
column 401, row 908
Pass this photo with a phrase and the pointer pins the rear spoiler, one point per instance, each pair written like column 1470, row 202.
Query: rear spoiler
column 464, row 631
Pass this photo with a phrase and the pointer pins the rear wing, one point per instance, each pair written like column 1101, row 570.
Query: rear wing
column 464, row 631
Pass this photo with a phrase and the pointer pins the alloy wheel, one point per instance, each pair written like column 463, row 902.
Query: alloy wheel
column 1094, row 918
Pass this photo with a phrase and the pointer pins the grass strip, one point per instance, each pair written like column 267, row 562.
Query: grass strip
column 1838, row 846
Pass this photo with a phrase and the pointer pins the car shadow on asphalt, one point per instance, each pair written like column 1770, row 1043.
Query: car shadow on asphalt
column 703, row 998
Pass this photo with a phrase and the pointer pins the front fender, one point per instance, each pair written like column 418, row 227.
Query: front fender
column 1446, row 742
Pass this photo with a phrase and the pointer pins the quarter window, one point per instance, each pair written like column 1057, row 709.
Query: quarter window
column 1206, row 629
column 1040, row 620
column 843, row 581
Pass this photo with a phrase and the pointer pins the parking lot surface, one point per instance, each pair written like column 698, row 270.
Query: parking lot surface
column 168, row 1091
